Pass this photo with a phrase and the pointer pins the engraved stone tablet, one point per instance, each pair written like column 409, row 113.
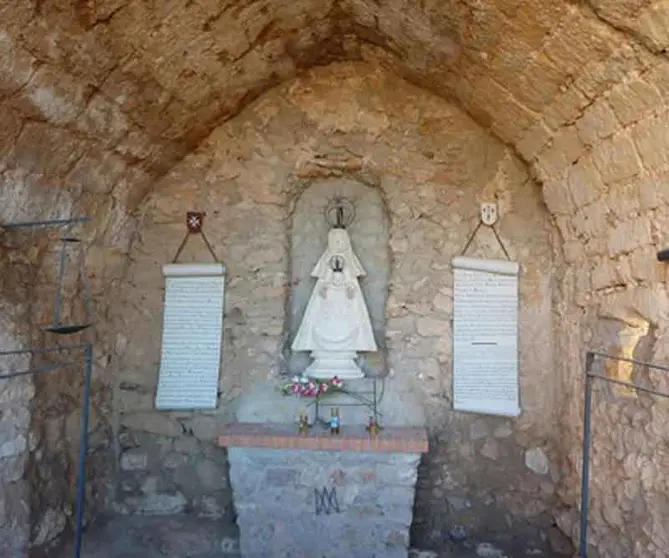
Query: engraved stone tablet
column 485, row 336
column 192, row 334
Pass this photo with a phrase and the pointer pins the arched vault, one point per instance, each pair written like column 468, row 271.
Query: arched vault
column 148, row 80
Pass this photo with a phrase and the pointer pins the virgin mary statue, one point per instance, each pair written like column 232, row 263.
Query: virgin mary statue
column 336, row 323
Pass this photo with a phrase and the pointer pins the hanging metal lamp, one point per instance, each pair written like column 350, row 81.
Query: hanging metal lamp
column 69, row 244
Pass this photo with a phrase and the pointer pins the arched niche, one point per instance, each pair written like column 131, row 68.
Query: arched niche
column 369, row 236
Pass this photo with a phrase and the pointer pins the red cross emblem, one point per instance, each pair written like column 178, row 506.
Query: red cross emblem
column 194, row 221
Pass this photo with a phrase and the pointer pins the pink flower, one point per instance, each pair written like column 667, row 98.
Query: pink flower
column 324, row 388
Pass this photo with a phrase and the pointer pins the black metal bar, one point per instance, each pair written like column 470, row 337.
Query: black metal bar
column 59, row 291
column 631, row 360
column 499, row 240
column 46, row 223
column 181, row 247
column 83, row 451
column 34, row 371
column 590, row 377
column 343, row 405
column 471, row 238
column 376, row 404
column 211, row 250
column 629, row 385
column 585, row 465
column 31, row 351
column 88, row 295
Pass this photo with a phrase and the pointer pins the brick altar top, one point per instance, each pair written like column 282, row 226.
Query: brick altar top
column 352, row 438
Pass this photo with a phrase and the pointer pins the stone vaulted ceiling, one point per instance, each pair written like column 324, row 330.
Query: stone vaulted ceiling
column 147, row 80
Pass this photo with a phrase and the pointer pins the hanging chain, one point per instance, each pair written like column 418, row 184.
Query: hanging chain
column 494, row 230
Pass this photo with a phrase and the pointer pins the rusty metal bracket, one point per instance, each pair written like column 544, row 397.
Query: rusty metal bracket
column 194, row 225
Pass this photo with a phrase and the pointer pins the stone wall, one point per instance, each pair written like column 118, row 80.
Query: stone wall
column 42, row 413
column 89, row 114
column 605, row 180
column 433, row 166
column 332, row 504
column 15, row 403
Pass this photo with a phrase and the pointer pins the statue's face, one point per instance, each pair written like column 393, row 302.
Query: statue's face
column 337, row 241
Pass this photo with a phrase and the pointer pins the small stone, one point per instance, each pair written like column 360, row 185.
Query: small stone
column 159, row 504
column 14, row 447
column 186, row 444
column 12, row 469
column 150, row 485
column 229, row 545
column 430, row 327
column 415, row 553
column 52, row 524
column 174, row 460
column 490, row 450
column 443, row 303
column 210, row 508
column 458, row 533
column 155, row 423
column 457, row 502
column 478, row 429
column 205, row 427
column 210, row 475
column 134, row 460
column 488, row 550
column 502, row 431
column 536, row 460
column 547, row 487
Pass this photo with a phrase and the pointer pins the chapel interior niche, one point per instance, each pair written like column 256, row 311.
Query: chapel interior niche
column 368, row 232
column 417, row 112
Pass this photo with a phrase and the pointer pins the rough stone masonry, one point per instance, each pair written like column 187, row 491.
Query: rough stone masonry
column 100, row 100
column 411, row 159
column 330, row 504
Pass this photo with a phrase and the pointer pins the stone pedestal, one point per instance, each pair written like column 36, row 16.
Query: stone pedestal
column 329, row 364
column 323, row 496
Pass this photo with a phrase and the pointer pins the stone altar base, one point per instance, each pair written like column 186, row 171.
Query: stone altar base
column 323, row 496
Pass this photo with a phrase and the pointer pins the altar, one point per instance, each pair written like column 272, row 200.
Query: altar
column 319, row 495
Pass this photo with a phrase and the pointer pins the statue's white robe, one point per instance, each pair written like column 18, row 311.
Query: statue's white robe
column 336, row 317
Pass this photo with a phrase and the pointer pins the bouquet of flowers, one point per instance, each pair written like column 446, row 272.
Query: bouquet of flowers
column 310, row 387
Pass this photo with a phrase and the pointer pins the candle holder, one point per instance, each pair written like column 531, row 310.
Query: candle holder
column 335, row 422
column 373, row 427
column 303, row 422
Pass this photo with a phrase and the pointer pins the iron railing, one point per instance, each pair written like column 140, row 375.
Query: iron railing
column 590, row 378
column 87, row 362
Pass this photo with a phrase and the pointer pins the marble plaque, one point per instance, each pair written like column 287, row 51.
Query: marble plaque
column 192, row 336
column 485, row 336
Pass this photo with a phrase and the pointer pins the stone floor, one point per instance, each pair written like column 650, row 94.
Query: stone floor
column 157, row 537
column 190, row 537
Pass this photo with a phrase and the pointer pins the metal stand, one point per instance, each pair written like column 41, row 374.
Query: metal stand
column 66, row 241
column 87, row 362
column 370, row 399
column 65, row 329
column 590, row 377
